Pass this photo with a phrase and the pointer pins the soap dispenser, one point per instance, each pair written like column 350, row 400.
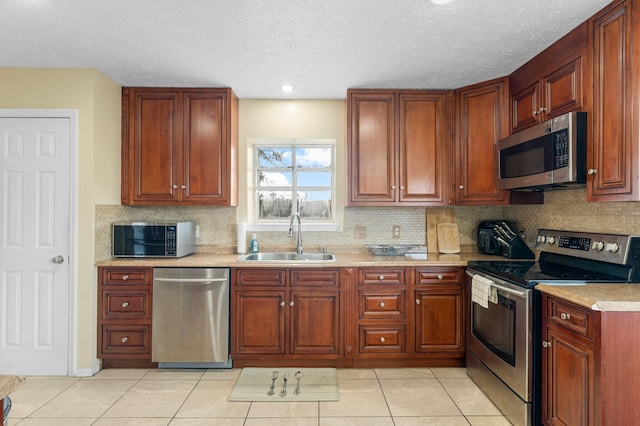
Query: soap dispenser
column 253, row 245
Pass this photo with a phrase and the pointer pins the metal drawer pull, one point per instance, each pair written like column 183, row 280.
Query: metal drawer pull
column 382, row 304
column 440, row 276
column 125, row 304
column 125, row 277
column 125, row 339
column 546, row 344
column 381, row 277
column 382, row 340
column 565, row 316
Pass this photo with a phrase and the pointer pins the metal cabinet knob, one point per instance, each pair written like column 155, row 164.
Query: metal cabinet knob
column 184, row 187
column 125, row 339
column 382, row 304
column 417, row 301
column 175, row 187
column 546, row 344
column 125, row 277
column 534, row 112
column 592, row 171
column 461, row 187
column 292, row 303
column 565, row 316
column 440, row 277
column 58, row 259
column 125, row 304
column 382, row 340
column 542, row 109
column 401, row 188
column 282, row 303
column 393, row 187
column 381, row 277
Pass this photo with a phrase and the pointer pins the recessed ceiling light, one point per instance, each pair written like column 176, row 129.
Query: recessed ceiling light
column 287, row 88
column 439, row 2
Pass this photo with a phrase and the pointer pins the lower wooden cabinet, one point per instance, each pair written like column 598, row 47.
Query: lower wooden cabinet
column 124, row 316
column 408, row 316
column 286, row 316
column 590, row 365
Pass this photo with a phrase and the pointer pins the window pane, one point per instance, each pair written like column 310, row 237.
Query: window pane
column 274, row 179
column 313, row 157
column 314, row 179
column 269, row 157
column 315, row 204
column 274, row 204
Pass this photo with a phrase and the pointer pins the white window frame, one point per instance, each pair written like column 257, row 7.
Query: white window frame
column 256, row 224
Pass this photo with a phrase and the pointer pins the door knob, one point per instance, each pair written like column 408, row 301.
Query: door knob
column 58, row 259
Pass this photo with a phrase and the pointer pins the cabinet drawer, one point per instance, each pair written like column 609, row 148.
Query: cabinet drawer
column 386, row 276
column 377, row 339
column 126, row 276
column 381, row 304
column 261, row 277
column 126, row 339
column 315, row 278
column 125, row 304
column 569, row 316
column 439, row 275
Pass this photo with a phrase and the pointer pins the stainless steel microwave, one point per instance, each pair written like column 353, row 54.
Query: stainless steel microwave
column 153, row 239
column 549, row 155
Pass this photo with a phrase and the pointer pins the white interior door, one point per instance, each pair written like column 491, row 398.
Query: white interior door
column 34, row 245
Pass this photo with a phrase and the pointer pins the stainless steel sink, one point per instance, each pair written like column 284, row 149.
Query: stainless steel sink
column 288, row 257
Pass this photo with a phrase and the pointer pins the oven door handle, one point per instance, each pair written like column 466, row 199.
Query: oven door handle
column 520, row 294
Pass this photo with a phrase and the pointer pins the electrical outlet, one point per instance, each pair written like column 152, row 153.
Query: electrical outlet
column 360, row 232
column 395, row 231
column 197, row 231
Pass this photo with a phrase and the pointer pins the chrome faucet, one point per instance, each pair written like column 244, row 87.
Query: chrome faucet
column 299, row 243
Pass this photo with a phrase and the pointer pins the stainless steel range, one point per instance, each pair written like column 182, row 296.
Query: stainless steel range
column 503, row 332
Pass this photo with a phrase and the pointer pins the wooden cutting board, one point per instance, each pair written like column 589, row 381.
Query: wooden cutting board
column 448, row 239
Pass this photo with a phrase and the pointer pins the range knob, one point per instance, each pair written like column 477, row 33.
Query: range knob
column 541, row 238
column 612, row 247
column 551, row 240
column 597, row 245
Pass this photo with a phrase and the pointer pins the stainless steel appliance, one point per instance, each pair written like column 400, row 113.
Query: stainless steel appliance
column 500, row 237
column 503, row 339
column 549, row 155
column 190, row 320
column 153, row 239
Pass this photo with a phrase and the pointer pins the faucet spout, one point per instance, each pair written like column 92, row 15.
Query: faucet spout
column 299, row 242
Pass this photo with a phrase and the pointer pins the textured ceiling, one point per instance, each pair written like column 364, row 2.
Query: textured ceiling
column 322, row 47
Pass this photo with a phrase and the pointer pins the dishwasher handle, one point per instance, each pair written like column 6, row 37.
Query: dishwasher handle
column 193, row 280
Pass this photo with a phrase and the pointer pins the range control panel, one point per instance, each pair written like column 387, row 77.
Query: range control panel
column 612, row 248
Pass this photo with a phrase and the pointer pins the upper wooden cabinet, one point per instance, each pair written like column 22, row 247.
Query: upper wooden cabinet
column 397, row 147
column 179, row 146
column 612, row 156
column 482, row 119
column 552, row 83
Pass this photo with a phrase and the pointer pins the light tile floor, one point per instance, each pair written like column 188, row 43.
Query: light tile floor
column 368, row 397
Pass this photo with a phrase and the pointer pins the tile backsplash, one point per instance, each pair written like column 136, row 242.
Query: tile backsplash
column 564, row 209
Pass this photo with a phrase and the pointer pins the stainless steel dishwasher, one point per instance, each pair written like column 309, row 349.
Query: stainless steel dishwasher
column 190, row 321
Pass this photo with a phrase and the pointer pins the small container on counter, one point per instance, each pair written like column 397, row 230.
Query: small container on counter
column 254, row 246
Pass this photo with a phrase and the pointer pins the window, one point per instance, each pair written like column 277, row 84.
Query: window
column 294, row 176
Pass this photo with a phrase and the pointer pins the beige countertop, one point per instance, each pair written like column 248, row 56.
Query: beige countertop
column 598, row 297
column 343, row 260
column 8, row 384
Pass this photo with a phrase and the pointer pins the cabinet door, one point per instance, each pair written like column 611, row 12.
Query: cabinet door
column 613, row 150
column 439, row 320
column 206, row 150
column 482, row 122
column 525, row 108
column 315, row 322
column 562, row 89
column 423, row 157
column 259, row 322
column 154, row 173
column 372, row 148
column 568, row 380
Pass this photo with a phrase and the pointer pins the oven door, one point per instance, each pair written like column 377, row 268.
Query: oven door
column 500, row 336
